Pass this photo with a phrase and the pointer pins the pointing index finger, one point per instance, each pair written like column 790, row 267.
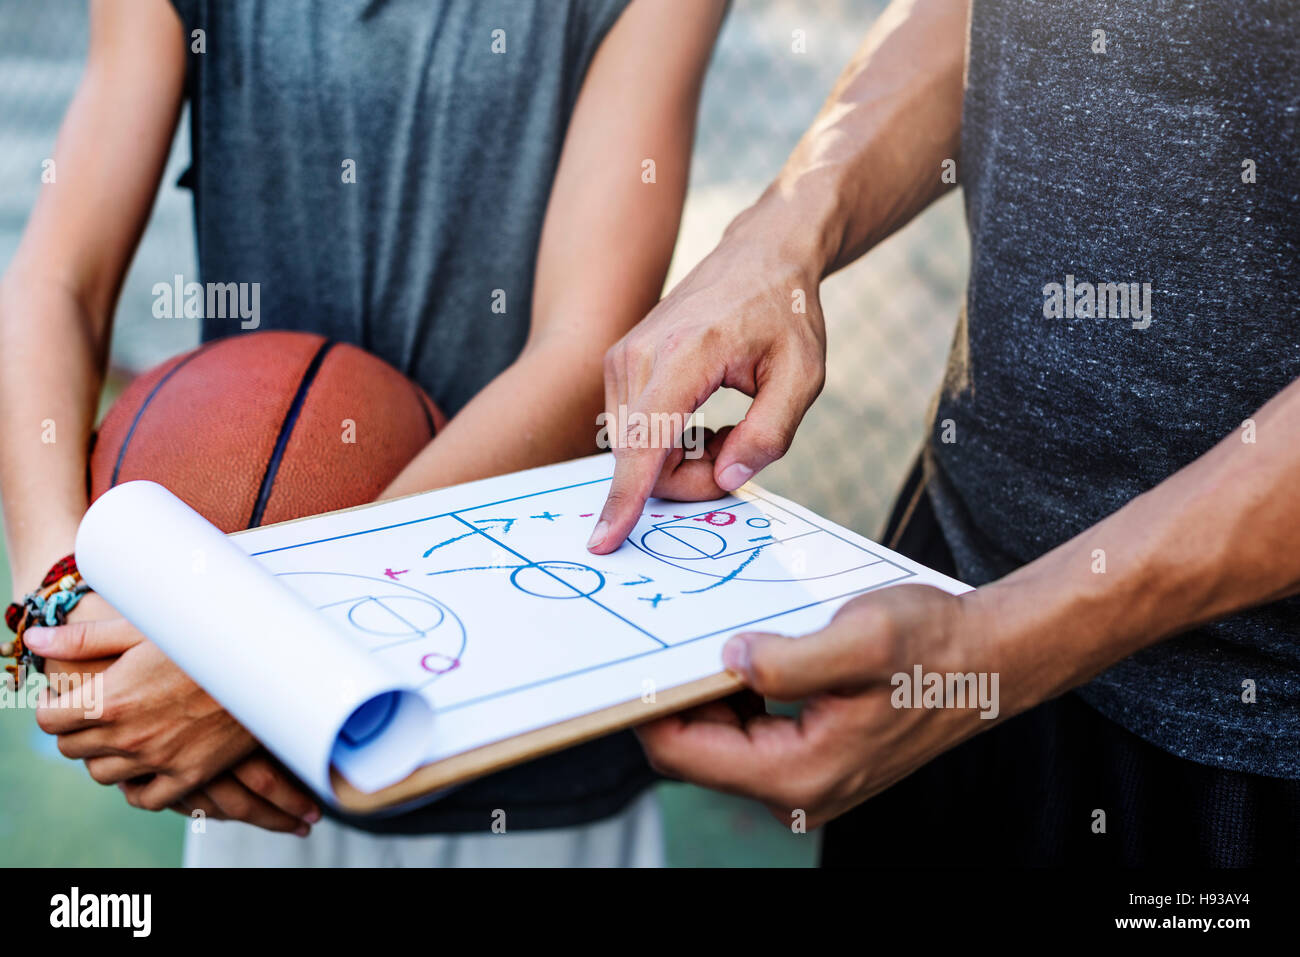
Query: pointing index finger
column 644, row 440
column 635, row 473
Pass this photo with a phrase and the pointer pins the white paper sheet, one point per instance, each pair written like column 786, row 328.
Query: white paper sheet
column 482, row 598
column 289, row 674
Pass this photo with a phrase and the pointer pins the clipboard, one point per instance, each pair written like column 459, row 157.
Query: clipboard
column 404, row 647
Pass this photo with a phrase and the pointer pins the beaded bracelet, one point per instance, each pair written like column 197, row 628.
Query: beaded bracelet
column 61, row 590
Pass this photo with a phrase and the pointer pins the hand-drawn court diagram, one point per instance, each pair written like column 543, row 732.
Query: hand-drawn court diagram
column 753, row 540
column 494, row 599
column 394, row 621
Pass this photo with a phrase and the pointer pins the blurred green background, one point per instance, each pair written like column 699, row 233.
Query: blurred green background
column 889, row 319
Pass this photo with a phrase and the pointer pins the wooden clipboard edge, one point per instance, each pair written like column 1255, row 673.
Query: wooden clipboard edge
column 460, row 768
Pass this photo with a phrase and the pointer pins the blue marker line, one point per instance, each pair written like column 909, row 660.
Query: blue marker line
column 730, row 575
column 658, row 651
column 475, row 568
column 524, row 559
column 440, row 544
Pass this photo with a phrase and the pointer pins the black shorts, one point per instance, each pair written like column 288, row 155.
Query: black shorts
column 1028, row 791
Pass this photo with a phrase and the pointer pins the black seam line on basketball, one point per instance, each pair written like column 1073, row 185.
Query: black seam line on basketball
column 428, row 414
column 286, row 429
column 139, row 413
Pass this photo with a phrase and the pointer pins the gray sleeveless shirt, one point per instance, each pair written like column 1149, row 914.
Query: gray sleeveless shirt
column 1156, row 158
column 381, row 168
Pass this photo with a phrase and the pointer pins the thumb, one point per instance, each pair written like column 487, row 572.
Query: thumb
column 83, row 640
column 787, row 669
column 767, row 430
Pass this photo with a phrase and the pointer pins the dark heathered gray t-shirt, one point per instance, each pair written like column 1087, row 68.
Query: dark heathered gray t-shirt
column 1127, row 167
column 454, row 146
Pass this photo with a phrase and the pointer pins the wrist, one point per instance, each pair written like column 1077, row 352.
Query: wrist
column 27, row 577
column 1021, row 642
column 39, row 532
column 1059, row 621
column 798, row 222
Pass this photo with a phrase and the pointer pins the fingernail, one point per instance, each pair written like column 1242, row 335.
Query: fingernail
column 598, row 536
column 734, row 476
column 35, row 638
column 302, row 831
column 735, row 655
column 312, row 816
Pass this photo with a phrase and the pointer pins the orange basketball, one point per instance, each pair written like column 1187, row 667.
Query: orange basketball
column 265, row 427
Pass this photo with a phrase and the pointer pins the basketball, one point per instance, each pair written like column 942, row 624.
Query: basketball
column 265, row 427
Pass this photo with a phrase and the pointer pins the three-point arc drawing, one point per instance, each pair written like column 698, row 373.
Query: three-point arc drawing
column 393, row 618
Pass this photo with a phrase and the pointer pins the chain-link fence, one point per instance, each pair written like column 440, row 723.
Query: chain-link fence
column 890, row 317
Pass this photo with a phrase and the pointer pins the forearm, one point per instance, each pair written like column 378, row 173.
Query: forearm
column 541, row 409
column 48, row 393
column 1216, row 537
column 60, row 289
column 873, row 158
